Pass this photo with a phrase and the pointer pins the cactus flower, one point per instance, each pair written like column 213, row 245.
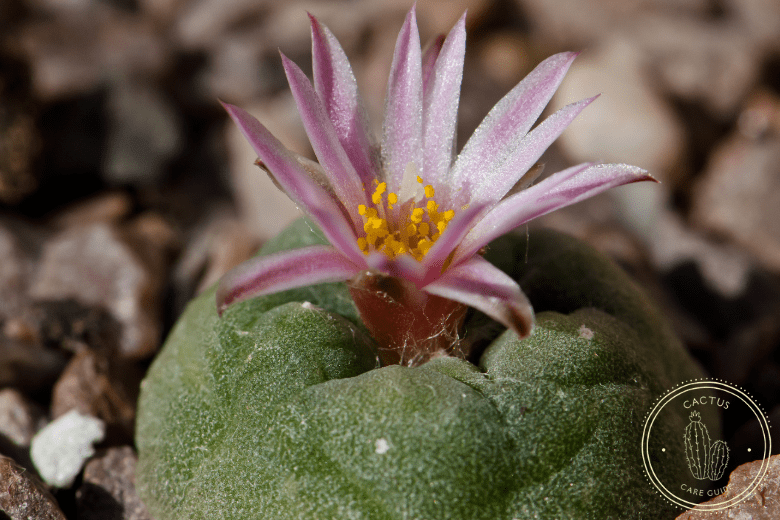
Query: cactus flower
column 406, row 219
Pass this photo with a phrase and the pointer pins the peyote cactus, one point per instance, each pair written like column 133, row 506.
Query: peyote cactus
column 706, row 459
column 277, row 409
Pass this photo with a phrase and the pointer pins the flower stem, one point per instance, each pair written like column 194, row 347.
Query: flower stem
column 409, row 326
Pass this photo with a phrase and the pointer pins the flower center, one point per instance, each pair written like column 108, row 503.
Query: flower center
column 412, row 227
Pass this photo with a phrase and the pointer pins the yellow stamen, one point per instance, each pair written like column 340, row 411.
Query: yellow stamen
column 413, row 232
column 380, row 189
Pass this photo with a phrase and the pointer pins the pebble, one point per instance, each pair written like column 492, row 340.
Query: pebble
column 22, row 496
column 725, row 267
column 111, row 207
column 108, row 491
column 26, row 363
column 762, row 504
column 94, row 266
column 708, row 63
column 79, row 50
column 738, row 196
column 20, row 419
column 60, row 449
column 95, row 385
column 144, row 134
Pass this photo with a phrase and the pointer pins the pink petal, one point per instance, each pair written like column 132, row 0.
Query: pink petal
column 429, row 60
column 477, row 283
column 513, row 116
column 457, row 228
column 557, row 191
column 342, row 175
column 403, row 266
column 335, row 84
column 440, row 106
column 312, row 198
column 527, row 151
column 282, row 271
column 402, row 142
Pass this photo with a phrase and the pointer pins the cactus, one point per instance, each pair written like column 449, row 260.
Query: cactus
column 706, row 460
column 697, row 447
column 719, row 459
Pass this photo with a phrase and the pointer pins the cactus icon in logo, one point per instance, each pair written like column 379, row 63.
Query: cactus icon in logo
column 706, row 460
column 704, row 402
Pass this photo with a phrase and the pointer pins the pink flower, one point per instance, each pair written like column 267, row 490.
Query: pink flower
column 407, row 219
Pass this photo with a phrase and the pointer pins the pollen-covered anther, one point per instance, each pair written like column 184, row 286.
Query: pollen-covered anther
column 413, row 231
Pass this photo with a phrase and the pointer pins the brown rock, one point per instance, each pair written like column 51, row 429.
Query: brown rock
column 19, row 146
column 739, row 196
column 143, row 134
column 715, row 64
column 762, row 504
column 28, row 364
column 201, row 24
column 725, row 267
column 72, row 327
column 566, row 23
column 760, row 116
column 71, row 51
column 19, row 418
column 22, row 496
column 94, row 385
column 108, row 491
column 112, row 207
column 760, row 19
column 242, row 68
column 94, row 266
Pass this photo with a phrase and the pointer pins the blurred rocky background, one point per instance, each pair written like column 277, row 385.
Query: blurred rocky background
column 124, row 190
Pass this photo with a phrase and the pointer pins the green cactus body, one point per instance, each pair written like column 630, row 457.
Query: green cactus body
column 278, row 410
column 697, row 447
column 719, row 459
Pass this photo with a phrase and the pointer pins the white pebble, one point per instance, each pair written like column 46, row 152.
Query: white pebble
column 60, row 449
